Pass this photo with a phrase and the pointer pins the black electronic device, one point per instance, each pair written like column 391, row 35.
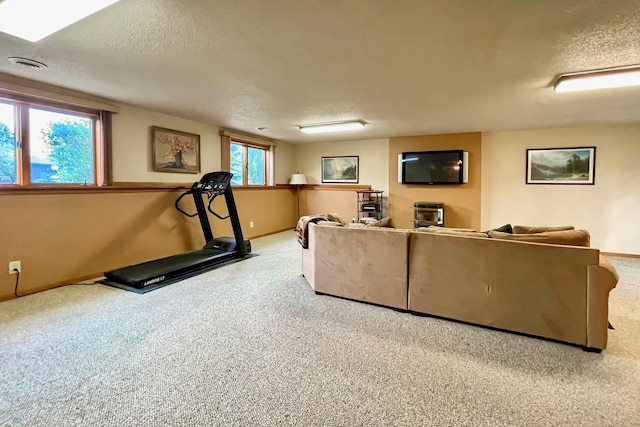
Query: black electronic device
column 433, row 167
column 215, row 252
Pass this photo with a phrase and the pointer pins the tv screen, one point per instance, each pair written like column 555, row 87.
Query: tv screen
column 432, row 167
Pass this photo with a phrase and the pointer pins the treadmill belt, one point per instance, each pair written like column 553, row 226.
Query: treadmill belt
column 154, row 286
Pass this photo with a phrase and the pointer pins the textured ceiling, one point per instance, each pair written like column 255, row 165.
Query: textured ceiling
column 405, row 67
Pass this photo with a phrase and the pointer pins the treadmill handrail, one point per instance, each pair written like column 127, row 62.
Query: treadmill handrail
column 212, row 211
column 178, row 207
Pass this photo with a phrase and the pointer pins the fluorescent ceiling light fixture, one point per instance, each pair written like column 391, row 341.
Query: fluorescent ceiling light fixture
column 599, row 79
column 332, row 127
column 36, row 19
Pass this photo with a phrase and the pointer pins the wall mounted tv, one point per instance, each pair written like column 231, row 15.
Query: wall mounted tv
column 433, row 167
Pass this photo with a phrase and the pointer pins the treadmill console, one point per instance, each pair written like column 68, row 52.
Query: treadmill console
column 213, row 182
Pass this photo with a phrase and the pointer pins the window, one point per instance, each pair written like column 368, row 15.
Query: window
column 248, row 164
column 47, row 144
column 250, row 159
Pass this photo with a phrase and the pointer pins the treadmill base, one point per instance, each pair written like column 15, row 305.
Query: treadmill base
column 155, row 286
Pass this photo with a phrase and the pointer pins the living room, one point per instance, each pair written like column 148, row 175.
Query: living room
column 496, row 194
column 64, row 236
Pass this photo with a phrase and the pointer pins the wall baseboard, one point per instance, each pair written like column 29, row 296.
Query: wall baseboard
column 614, row 254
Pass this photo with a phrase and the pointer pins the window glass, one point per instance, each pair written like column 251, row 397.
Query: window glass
column 61, row 147
column 237, row 164
column 256, row 166
column 7, row 144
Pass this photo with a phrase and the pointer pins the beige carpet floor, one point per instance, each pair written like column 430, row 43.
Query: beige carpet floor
column 250, row 344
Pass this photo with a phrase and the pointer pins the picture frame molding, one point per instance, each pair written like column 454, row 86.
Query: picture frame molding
column 591, row 168
column 157, row 149
column 325, row 162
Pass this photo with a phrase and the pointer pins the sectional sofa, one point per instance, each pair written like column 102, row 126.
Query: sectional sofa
column 557, row 290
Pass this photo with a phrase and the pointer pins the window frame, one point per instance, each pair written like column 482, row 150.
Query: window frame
column 101, row 130
column 245, row 163
column 228, row 137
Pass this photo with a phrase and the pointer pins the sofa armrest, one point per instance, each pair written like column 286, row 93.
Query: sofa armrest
column 602, row 278
column 361, row 263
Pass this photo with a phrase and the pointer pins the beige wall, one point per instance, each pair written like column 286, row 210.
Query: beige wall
column 132, row 145
column 608, row 209
column 373, row 160
column 338, row 199
column 285, row 162
column 60, row 238
column 132, row 148
column 462, row 202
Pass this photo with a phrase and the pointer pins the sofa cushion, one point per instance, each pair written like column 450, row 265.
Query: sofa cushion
column 527, row 229
column 507, row 228
column 563, row 237
column 452, row 231
column 336, row 218
column 384, row 222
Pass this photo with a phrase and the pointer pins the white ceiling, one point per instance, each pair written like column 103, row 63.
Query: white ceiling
column 405, row 67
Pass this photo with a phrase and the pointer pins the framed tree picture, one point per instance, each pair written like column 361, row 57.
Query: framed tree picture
column 175, row 151
column 574, row 165
column 340, row 169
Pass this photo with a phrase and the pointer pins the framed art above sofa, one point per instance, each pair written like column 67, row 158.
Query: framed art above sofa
column 340, row 169
column 575, row 165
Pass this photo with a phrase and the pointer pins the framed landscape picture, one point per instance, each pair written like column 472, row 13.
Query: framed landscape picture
column 561, row 165
column 174, row 151
column 340, row 169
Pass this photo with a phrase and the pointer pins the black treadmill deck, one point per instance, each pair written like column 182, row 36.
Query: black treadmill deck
column 166, row 281
column 169, row 268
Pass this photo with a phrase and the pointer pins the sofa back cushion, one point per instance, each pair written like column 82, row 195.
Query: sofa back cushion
column 386, row 222
column 565, row 237
column 452, row 231
column 362, row 263
column 518, row 286
column 528, row 229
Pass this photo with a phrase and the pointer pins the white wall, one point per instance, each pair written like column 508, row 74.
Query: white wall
column 284, row 162
column 132, row 148
column 608, row 209
column 373, row 162
column 132, row 145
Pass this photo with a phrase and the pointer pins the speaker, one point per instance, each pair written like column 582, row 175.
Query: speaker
column 465, row 167
column 399, row 167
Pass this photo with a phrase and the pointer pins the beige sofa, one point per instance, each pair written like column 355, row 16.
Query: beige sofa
column 552, row 291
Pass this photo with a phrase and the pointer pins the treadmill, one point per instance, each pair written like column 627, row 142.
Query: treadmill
column 216, row 251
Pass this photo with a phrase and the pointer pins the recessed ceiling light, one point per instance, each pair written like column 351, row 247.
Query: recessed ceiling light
column 36, row 19
column 599, row 79
column 332, row 127
column 26, row 62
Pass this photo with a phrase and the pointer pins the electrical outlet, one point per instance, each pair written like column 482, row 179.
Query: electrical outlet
column 250, row 224
column 15, row 265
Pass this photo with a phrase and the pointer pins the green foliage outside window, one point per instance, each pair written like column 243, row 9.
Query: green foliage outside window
column 237, row 164
column 71, row 145
column 256, row 166
column 249, row 159
column 7, row 155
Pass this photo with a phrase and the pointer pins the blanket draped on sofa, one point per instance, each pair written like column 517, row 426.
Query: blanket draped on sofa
column 302, row 228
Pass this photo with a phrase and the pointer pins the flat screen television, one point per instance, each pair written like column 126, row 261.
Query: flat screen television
column 433, row 167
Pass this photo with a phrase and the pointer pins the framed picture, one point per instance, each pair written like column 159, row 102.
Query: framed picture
column 561, row 165
column 175, row 151
column 342, row 169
